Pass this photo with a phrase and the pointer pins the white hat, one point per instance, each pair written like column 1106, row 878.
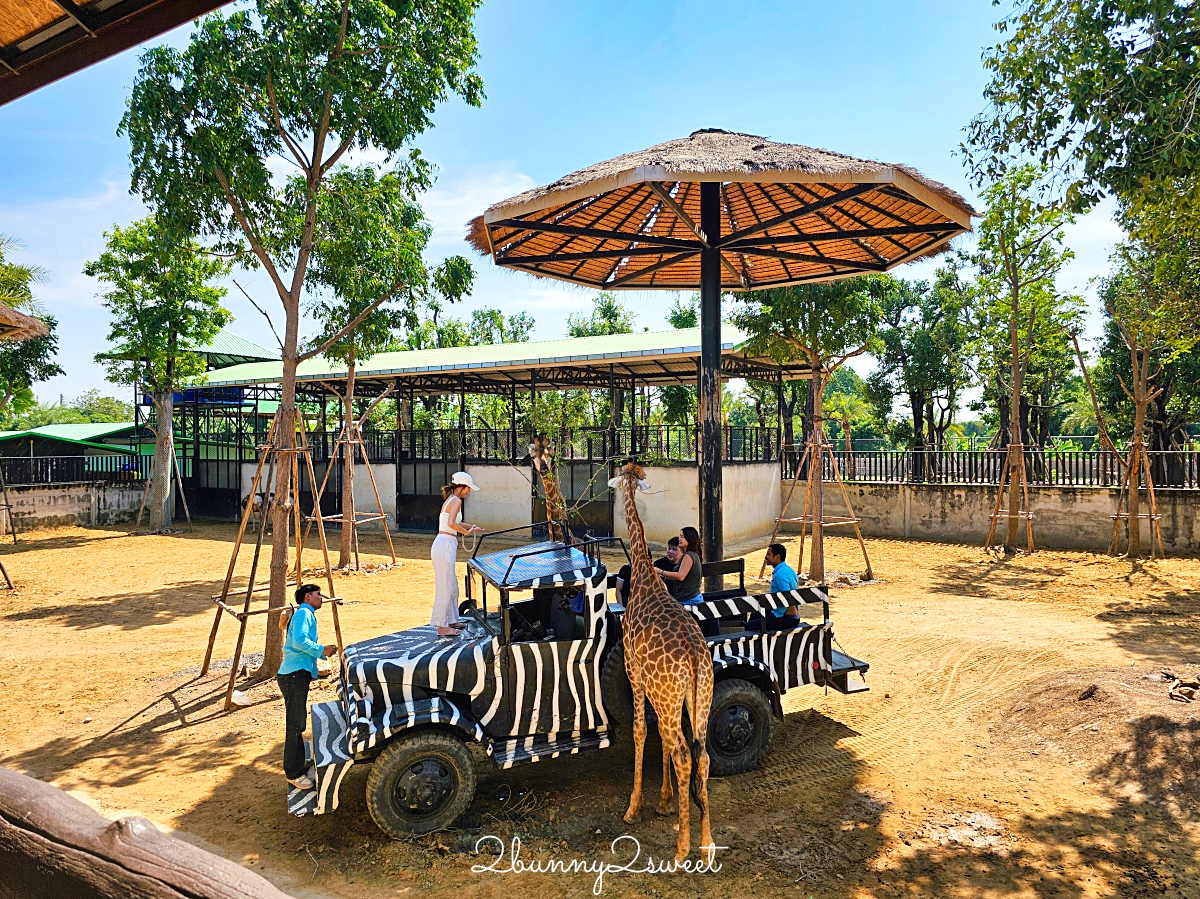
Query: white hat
column 462, row 479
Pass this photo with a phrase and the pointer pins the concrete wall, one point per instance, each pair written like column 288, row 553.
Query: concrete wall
column 58, row 505
column 364, row 497
column 750, row 498
column 503, row 499
column 1064, row 517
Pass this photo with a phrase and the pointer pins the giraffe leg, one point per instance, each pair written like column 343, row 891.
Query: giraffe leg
column 667, row 792
column 682, row 759
column 639, row 741
column 702, row 706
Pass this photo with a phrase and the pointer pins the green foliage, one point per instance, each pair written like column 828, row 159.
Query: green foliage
column 1020, row 321
column 608, row 316
column 160, row 304
column 490, row 326
column 96, row 408
column 922, row 354
column 825, row 323
column 299, row 81
column 368, row 246
column 24, row 363
column 1103, row 91
column 16, row 280
column 685, row 313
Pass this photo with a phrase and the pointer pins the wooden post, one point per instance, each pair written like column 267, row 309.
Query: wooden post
column 8, row 515
column 711, row 523
column 179, row 480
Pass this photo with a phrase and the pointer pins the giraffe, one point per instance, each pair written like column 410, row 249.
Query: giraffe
column 541, row 454
column 667, row 660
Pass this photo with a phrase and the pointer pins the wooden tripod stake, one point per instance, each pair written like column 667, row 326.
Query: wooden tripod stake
column 809, row 520
column 1138, row 461
column 348, row 438
column 1015, row 451
column 270, row 456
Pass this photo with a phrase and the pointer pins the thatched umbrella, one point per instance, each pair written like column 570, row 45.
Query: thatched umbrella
column 16, row 325
column 721, row 211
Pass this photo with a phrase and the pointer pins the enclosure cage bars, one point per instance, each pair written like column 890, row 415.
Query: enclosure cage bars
column 268, row 458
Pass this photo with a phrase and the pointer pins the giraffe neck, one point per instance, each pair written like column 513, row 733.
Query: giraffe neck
column 555, row 508
column 643, row 582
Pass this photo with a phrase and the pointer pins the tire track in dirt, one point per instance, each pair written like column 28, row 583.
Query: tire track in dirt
column 811, row 751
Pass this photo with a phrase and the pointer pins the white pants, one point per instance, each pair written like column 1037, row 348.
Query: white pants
column 444, row 554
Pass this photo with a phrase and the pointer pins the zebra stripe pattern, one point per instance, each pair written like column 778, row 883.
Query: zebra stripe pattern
column 792, row 658
column 756, row 602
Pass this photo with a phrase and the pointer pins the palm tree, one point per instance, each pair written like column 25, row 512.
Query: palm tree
column 846, row 407
column 15, row 279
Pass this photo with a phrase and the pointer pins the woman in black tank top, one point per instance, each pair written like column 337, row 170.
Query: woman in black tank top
column 689, row 573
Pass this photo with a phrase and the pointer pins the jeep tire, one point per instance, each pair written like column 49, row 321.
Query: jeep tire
column 739, row 727
column 420, row 783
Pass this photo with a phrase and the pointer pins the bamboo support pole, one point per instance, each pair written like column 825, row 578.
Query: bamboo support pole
column 183, row 496
column 853, row 519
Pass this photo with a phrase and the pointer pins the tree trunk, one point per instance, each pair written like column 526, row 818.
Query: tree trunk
column 916, row 404
column 164, row 463
column 285, row 439
column 816, row 565
column 1016, row 458
column 346, row 545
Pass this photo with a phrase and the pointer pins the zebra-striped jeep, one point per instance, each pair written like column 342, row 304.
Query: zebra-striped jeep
column 540, row 675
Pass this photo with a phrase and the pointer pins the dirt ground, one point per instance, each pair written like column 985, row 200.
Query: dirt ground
column 971, row 768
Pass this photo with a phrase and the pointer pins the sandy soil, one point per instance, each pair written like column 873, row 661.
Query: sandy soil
column 971, row 768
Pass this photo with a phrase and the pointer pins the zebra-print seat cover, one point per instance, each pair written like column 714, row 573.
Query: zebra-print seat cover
column 544, row 564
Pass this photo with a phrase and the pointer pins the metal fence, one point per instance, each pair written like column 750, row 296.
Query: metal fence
column 26, row 471
column 1052, row 468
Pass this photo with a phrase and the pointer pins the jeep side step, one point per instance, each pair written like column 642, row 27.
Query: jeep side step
column 546, row 746
column 839, row 679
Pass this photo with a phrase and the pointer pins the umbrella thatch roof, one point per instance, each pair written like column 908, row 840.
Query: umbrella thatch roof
column 43, row 40
column 788, row 214
column 16, row 325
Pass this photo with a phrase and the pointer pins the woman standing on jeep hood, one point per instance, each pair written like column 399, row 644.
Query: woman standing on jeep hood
column 444, row 554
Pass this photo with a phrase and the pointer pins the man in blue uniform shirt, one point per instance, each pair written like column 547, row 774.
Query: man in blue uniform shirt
column 783, row 579
column 300, row 653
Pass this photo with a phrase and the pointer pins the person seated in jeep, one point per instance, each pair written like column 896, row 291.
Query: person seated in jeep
column 669, row 562
column 783, row 579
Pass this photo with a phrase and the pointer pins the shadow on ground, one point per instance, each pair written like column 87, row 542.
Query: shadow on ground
column 128, row 611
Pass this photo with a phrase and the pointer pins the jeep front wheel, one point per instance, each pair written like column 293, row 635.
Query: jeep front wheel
column 420, row 783
column 739, row 727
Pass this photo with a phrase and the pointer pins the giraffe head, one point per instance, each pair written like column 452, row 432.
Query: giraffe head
column 631, row 473
column 541, row 453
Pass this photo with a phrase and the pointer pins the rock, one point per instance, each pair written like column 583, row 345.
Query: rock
column 1088, row 693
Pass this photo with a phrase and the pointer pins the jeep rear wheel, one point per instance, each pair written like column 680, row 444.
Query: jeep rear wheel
column 420, row 783
column 739, row 727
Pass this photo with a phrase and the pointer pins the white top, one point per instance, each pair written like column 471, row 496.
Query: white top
column 444, row 521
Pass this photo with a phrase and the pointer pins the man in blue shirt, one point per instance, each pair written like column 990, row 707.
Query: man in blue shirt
column 300, row 653
column 783, row 579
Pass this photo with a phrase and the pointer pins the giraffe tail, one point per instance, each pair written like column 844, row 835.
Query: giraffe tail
column 699, row 733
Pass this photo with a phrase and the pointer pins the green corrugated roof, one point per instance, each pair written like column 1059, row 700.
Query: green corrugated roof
column 232, row 346
column 83, row 434
column 638, row 345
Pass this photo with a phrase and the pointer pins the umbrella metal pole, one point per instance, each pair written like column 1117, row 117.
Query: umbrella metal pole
column 711, row 530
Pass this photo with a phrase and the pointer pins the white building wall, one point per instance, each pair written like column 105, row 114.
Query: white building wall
column 502, row 500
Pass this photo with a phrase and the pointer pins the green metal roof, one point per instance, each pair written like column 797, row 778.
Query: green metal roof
column 640, row 347
column 85, row 434
column 229, row 349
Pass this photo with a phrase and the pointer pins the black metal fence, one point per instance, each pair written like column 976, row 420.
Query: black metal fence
column 1052, row 468
column 26, row 471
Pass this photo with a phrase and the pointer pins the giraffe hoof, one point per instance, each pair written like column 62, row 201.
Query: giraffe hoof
column 631, row 817
column 664, row 810
column 681, row 856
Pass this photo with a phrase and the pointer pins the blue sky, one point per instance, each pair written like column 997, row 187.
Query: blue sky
column 568, row 84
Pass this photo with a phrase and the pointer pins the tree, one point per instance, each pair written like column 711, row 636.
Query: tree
column 490, row 326
column 923, row 357
column 288, row 83
column 16, row 280
column 94, row 407
column 161, row 308
column 367, row 248
column 24, row 363
column 1152, row 298
column 608, row 316
column 1019, row 253
column 679, row 400
column 823, row 324
column 1102, row 91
